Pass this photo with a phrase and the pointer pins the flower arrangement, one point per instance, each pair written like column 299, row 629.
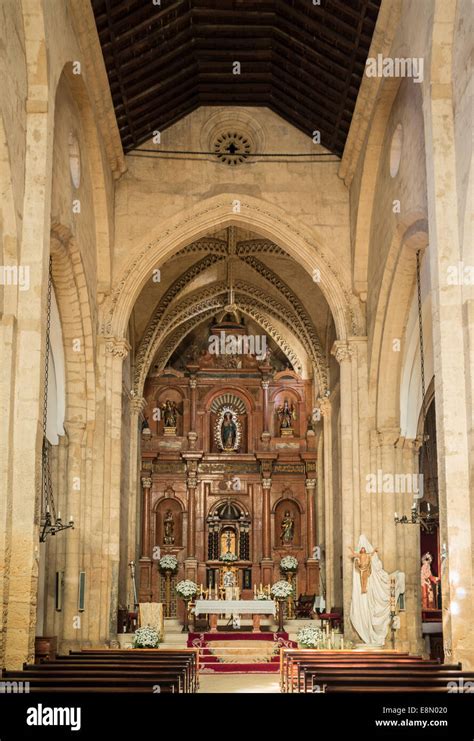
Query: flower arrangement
column 186, row 589
column 146, row 637
column 228, row 557
column 281, row 590
column 310, row 637
column 288, row 563
column 168, row 563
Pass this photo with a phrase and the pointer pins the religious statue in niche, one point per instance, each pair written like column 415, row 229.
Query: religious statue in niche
column 227, row 433
column 287, row 528
column 169, row 413
column 362, row 563
column 428, row 581
column 168, row 528
column 286, row 415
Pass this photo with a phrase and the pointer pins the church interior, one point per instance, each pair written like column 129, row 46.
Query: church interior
column 237, row 330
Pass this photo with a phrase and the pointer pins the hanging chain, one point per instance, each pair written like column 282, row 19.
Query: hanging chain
column 46, row 472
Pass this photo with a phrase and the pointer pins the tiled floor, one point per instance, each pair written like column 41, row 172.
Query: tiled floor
column 240, row 683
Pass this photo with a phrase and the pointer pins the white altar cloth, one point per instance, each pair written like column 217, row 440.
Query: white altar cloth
column 235, row 607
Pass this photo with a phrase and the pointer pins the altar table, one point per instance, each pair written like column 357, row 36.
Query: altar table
column 215, row 607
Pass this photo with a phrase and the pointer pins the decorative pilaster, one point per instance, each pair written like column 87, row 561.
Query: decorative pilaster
column 267, row 563
column 325, row 407
column 312, row 569
column 146, row 518
column 192, row 387
column 265, row 385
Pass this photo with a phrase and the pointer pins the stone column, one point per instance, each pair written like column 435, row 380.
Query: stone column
column 386, row 500
column 192, row 462
column 130, row 552
column 312, row 569
column 146, row 519
column 452, row 304
column 266, row 563
column 408, row 542
column 73, row 539
column 343, row 354
column 116, row 350
column 325, row 407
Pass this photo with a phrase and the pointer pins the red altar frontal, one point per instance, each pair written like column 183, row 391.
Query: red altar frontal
column 228, row 466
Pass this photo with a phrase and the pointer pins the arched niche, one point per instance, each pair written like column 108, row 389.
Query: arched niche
column 173, row 394
column 230, row 405
column 294, row 400
column 287, row 508
column 168, row 520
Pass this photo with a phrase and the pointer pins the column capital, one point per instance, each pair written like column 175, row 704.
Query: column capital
column 192, row 383
column 146, row 482
column 119, row 347
column 265, row 384
column 342, row 351
column 325, row 405
column 191, row 482
column 266, row 483
column 310, row 483
column 137, row 404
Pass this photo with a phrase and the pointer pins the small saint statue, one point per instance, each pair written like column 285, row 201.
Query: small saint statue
column 287, row 528
column 362, row 561
column 286, row 414
column 169, row 412
column 228, row 432
column 168, row 528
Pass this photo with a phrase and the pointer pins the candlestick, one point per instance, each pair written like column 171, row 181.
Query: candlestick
column 59, row 515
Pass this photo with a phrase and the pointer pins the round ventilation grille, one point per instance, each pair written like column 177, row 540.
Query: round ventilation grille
column 232, row 148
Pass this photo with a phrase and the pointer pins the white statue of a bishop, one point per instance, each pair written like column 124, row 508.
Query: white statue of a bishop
column 370, row 605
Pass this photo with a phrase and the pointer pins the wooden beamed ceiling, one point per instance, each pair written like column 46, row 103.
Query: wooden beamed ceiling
column 305, row 62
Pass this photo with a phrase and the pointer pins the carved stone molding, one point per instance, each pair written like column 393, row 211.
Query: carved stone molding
column 117, row 346
column 341, row 351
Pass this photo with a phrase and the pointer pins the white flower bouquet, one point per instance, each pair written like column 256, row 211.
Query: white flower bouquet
column 288, row 563
column 186, row 589
column 281, row 590
column 262, row 596
column 146, row 637
column 226, row 557
column 310, row 637
column 168, row 563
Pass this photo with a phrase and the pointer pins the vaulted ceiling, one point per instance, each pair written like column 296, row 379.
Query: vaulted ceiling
column 303, row 61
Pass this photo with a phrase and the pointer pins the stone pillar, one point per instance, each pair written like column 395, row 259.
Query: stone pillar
column 343, row 353
column 130, row 552
column 146, row 519
column 451, row 299
column 116, row 350
column 325, row 407
column 386, row 500
column 312, row 568
column 408, row 542
column 73, row 539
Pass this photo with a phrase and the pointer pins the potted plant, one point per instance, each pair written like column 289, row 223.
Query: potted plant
column 146, row 637
column 280, row 591
column 289, row 565
column 310, row 637
column 186, row 589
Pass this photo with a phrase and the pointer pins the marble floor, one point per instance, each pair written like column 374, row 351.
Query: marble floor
column 240, row 683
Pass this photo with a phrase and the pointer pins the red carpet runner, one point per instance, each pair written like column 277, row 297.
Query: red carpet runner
column 240, row 653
